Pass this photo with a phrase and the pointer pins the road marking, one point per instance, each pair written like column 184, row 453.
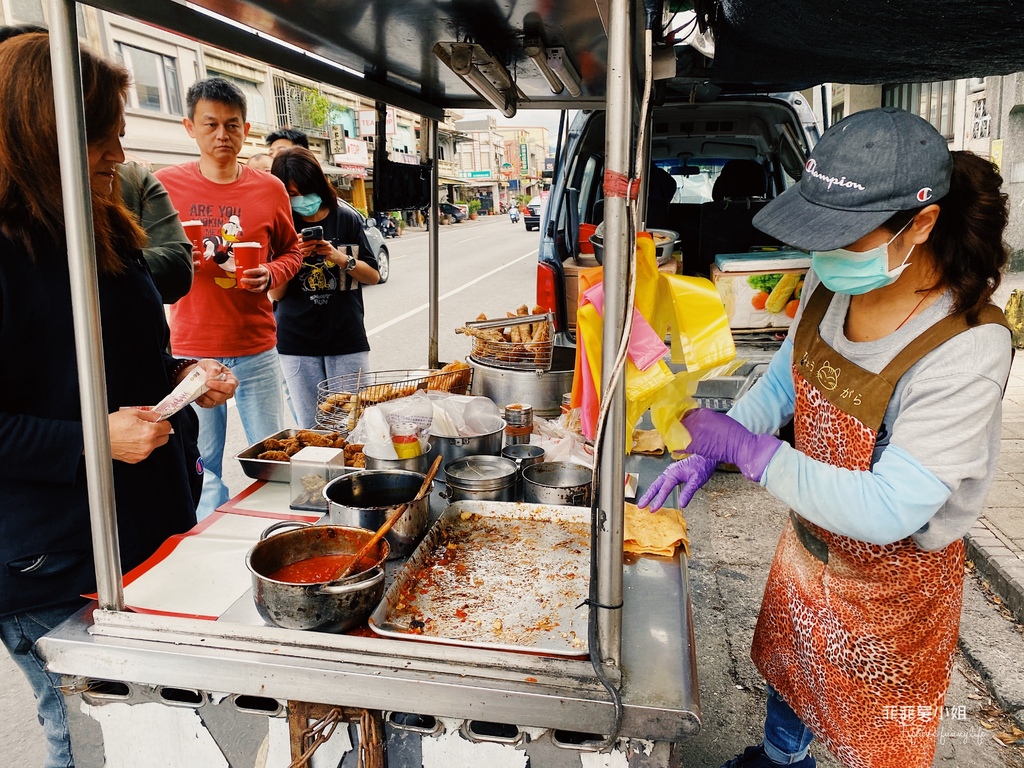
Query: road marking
column 460, row 289
column 468, row 239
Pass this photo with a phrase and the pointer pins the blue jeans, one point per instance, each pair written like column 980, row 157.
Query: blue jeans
column 19, row 634
column 261, row 407
column 786, row 738
column 303, row 373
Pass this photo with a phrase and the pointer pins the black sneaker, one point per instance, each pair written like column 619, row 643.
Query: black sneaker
column 754, row 757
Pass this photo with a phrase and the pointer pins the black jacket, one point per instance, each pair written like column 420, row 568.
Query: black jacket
column 45, row 543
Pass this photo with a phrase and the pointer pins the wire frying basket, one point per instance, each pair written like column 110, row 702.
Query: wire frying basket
column 520, row 342
column 342, row 399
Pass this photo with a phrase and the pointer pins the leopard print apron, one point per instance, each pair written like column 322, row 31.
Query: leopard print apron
column 859, row 638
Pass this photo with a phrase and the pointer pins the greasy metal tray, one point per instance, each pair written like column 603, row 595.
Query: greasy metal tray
column 263, row 469
column 497, row 575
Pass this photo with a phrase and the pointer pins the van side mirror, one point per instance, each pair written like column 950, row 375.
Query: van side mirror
column 371, row 222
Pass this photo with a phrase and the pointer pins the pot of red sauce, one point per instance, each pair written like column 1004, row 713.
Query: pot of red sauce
column 291, row 576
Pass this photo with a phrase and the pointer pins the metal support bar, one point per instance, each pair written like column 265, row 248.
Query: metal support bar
column 85, row 300
column 616, row 252
column 433, row 227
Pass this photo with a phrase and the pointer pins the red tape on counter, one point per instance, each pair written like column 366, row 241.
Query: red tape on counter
column 620, row 185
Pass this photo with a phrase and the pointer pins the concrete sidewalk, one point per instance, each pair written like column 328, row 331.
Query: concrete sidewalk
column 996, row 547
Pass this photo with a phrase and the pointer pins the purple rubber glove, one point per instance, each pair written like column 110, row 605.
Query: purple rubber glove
column 691, row 473
column 723, row 439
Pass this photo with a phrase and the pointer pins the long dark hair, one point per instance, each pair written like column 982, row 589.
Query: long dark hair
column 300, row 167
column 31, row 205
column 967, row 239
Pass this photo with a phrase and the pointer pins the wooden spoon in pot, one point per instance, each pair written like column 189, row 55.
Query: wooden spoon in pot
column 341, row 573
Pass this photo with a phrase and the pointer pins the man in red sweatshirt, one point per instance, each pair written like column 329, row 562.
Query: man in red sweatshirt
column 227, row 315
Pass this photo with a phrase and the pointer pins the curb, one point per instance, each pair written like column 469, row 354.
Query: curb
column 999, row 562
column 993, row 646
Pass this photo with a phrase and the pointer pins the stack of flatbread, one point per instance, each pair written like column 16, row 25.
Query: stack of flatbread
column 657, row 533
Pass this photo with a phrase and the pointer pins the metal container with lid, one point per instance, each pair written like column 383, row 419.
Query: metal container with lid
column 480, row 478
column 518, row 423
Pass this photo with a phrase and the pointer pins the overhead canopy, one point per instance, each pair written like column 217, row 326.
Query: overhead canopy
column 384, row 49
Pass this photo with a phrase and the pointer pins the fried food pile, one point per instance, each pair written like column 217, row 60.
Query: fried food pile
column 342, row 409
column 520, row 342
column 283, row 450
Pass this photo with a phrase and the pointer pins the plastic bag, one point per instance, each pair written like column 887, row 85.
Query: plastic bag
column 467, row 416
column 668, row 408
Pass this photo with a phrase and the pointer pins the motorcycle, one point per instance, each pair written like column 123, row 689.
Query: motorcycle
column 388, row 228
column 513, row 214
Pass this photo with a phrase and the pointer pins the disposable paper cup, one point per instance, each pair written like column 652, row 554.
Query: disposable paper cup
column 247, row 256
column 194, row 232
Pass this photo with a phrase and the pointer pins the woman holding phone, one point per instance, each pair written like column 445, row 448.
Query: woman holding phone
column 320, row 331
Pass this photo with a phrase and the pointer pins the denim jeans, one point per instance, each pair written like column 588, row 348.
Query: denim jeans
column 303, row 373
column 261, row 407
column 19, row 634
column 786, row 738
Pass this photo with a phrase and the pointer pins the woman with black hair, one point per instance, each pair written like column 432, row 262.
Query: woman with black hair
column 320, row 331
column 893, row 375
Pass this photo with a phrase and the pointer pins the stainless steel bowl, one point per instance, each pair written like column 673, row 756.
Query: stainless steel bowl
column 664, row 249
column 367, row 498
column 452, row 448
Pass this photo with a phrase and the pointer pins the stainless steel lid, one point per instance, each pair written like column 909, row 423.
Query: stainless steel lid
column 480, row 473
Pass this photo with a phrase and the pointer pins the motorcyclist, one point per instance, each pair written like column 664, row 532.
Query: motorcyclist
column 513, row 213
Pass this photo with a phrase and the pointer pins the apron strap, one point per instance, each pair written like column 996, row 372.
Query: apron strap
column 813, row 313
column 941, row 332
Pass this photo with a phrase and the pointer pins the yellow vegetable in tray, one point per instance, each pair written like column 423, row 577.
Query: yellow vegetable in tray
column 781, row 293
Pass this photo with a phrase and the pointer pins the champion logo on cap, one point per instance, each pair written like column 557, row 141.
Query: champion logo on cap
column 841, row 181
column 924, row 194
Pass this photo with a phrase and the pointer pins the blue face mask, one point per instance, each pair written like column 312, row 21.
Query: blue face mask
column 306, row 205
column 844, row 271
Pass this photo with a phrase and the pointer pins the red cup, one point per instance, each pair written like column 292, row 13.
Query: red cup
column 247, row 256
column 194, row 232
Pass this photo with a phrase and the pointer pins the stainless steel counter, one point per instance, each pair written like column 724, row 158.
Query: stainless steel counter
column 239, row 654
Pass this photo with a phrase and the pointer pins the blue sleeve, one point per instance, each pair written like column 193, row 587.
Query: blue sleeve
column 892, row 501
column 769, row 403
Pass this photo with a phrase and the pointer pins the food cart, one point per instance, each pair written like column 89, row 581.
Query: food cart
column 219, row 690
column 159, row 682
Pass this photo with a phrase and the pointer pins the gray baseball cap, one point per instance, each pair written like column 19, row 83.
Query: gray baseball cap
column 864, row 169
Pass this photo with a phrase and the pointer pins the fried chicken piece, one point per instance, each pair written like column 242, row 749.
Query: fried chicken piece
column 339, row 441
column 274, row 456
column 484, row 334
column 515, row 331
column 358, row 461
column 522, row 309
column 291, row 446
column 352, row 449
column 273, row 444
column 309, row 437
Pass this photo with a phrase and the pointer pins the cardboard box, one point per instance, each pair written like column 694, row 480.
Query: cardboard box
column 572, row 285
column 745, row 295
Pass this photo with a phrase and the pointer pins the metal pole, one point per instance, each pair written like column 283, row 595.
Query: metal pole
column 85, row 300
column 432, row 246
column 616, row 240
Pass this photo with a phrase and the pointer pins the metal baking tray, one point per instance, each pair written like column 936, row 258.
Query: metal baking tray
column 498, row 575
column 263, row 469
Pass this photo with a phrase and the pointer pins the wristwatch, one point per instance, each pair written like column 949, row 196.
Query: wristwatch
column 351, row 263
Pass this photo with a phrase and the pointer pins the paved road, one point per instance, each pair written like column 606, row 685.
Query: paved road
column 489, row 266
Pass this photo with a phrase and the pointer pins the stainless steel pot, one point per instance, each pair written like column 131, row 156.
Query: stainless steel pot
column 366, row 498
column 523, row 455
column 541, row 389
column 480, row 478
column 322, row 607
column 419, row 463
column 453, row 448
column 557, row 482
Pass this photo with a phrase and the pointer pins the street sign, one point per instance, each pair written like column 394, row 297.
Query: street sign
column 474, row 174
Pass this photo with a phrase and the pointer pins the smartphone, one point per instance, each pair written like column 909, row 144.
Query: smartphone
column 312, row 233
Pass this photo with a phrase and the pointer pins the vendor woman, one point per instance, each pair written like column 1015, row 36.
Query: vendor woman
column 893, row 373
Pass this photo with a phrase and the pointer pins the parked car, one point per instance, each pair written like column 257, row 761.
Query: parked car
column 376, row 240
column 743, row 148
column 456, row 213
column 531, row 214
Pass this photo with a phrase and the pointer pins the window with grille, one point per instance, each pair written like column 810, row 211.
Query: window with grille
column 155, row 85
column 980, row 123
column 932, row 101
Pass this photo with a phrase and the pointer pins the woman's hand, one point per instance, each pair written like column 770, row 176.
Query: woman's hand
column 135, row 434
column 691, row 473
column 221, row 382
